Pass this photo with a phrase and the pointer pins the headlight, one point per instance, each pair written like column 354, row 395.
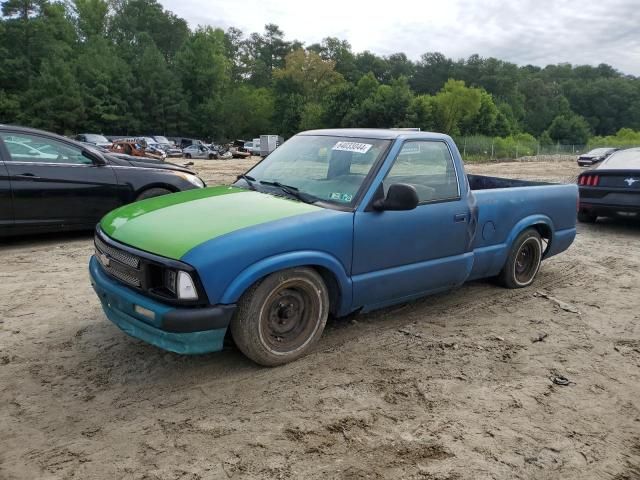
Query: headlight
column 186, row 289
column 193, row 180
column 180, row 284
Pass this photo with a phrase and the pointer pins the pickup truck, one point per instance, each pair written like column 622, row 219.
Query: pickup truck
column 332, row 222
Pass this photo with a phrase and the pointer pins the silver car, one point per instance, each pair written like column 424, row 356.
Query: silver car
column 199, row 151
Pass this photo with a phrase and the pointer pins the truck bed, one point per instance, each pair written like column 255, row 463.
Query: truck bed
column 503, row 204
column 482, row 182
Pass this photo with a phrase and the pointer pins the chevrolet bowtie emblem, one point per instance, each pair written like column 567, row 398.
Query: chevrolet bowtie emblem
column 104, row 260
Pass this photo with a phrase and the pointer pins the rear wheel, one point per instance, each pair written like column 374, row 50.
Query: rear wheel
column 153, row 192
column 280, row 319
column 187, row 155
column 523, row 261
column 586, row 217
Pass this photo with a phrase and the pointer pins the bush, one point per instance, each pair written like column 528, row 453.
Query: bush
column 625, row 137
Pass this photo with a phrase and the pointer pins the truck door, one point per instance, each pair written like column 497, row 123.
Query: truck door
column 399, row 254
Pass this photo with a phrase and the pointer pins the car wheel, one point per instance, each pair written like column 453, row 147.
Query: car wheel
column 187, row 155
column 280, row 318
column 211, row 156
column 523, row 261
column 587, row 217
column 153, row 192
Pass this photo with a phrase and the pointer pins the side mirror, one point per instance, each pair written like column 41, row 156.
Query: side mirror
column 401, row 196
column 95, row 157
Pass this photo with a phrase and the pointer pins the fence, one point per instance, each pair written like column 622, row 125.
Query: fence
column 488, row 149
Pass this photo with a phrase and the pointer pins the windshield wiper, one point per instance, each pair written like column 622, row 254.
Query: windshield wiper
column 248, row 179
column 291, row 190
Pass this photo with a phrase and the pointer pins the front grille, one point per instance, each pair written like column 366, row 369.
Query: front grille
column 120, row 255
column 119, row 264
column 124, row 276
column 144, row 271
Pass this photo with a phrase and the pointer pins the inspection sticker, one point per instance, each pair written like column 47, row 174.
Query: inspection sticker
column 352, row 147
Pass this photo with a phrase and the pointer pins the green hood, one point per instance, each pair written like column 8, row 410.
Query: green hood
column 171, row 225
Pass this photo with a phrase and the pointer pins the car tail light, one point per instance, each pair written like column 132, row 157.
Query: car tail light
column 589, row 180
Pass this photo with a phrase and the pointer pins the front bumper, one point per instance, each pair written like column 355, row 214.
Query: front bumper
column 181, row 330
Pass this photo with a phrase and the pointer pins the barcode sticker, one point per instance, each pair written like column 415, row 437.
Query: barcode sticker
column 352, row 147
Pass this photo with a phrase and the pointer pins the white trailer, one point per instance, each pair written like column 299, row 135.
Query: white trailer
column 268, row 143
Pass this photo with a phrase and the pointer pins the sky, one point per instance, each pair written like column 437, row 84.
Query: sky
column 520, row 31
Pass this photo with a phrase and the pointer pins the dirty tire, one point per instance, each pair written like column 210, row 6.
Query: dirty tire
column 153, row 192
column 585, row 217
column 187, row 155
column 280, row 318
column 523, row 261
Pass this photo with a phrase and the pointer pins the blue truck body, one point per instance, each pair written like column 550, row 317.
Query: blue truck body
column 371, row 259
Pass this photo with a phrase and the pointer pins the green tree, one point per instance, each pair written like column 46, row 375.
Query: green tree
column 569, row 129
column 456, row 104
column 205, row 75
column 308, row 70
column 339, row 52
column 54, row 102
column 247, row 112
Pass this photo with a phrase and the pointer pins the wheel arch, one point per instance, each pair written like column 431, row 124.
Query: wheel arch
column 149, row 186
column 542, row 223
column 330, row 269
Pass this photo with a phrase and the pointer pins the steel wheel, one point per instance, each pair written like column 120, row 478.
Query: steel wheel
column 527, row 261
column 523, row 261
column 288, row 317
column 280, row 318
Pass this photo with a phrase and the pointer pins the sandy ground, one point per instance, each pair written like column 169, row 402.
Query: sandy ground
column 450, row 387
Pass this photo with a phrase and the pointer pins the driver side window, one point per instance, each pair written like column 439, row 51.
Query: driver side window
column 35, row 149
column 427, row 166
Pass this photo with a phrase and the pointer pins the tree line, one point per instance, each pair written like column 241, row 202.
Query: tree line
column 132, row 67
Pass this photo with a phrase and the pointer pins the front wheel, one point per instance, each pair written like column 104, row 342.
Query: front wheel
column 280, row 318
column 153, row 192
column 523, row 261
column 187, row 155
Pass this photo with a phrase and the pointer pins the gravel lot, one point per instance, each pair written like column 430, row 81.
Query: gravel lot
column 450, row 387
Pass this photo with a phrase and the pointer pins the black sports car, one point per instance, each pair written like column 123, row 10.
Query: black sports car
column 611, row 188
column 51, row 183
column 594, row 156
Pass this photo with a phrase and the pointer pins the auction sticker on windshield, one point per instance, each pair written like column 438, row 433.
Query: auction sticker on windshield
column 352, row 147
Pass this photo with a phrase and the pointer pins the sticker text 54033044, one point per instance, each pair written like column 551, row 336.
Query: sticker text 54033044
column 352, row 147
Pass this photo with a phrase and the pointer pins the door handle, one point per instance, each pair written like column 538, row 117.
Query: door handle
column 460, row 217
column 29, row 176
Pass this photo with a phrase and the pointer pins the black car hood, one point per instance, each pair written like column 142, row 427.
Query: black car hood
column 141, row 162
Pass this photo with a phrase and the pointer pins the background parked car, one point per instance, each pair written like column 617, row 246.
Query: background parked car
column 611, row 188
column 71, row 185
column 183, row 142
column 199, row 151
column 594, row 156
column 93, row 139
column 136, row 149
column 169, row 147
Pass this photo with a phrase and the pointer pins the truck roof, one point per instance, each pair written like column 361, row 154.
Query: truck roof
column 381, row 133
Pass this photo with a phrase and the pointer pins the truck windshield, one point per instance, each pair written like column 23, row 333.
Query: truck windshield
column 331, row 169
